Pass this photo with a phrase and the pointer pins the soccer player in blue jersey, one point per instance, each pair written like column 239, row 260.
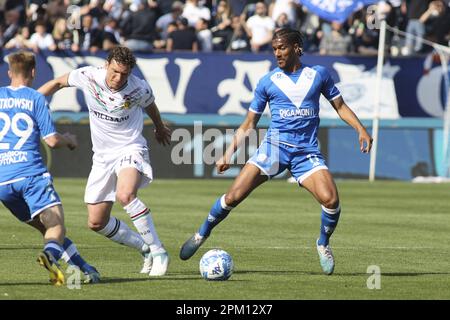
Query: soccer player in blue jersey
column 292, row 91
column 26, row 187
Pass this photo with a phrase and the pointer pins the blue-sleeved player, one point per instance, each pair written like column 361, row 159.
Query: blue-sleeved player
column 292, row 91
column 26, row 187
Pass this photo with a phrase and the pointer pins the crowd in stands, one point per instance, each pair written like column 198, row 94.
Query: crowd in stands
column 213, row 25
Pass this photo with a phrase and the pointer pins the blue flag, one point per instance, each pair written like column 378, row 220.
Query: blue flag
column 335, row 10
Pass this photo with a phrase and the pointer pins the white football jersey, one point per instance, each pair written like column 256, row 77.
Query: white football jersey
column 116, row 117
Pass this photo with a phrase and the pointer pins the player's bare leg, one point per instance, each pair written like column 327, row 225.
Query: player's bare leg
column 52, row 221
column 248, row 179
column 128, row 182
column 323, row 188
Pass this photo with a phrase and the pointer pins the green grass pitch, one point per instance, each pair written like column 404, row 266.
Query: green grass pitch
column 402, row 228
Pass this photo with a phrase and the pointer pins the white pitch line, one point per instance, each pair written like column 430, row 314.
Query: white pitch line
column 333, row 247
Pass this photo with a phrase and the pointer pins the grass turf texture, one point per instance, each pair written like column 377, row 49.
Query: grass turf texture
column 401, row 227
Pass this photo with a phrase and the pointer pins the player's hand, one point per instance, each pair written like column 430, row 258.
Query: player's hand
column 222, row 165
column 163, row 135
column 72, row 142
column 365, row 141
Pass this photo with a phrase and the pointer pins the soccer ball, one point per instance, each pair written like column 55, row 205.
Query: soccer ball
column 216, row 264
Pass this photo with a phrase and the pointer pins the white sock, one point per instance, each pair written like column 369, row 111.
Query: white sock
column 119, row 232
column 142, row 220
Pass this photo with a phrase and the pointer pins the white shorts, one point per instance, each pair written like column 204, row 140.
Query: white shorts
column 102, row 181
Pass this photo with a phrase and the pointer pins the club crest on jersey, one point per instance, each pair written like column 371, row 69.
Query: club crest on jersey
column 309, row 74
column 127, row 104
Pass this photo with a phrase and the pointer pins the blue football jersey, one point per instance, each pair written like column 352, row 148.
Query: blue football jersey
column 24, row 119
column 294, row 103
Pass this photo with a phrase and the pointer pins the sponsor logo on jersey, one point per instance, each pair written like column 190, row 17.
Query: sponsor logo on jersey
column 109, row 118
column 301, row 113
column 12, row 157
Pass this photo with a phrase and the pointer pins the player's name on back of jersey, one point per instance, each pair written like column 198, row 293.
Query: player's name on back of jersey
column 21, row 103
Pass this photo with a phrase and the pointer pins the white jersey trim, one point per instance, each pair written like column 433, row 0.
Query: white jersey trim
column 254, row 111
column 49, row 135
column 260, row 168
column 306, row 175
column 42, row 209
column 11, row 181
column 335, row 97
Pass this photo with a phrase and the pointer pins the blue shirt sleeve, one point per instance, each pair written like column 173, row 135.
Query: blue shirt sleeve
column 43, row 117
column 260, row 98
column 329, row 89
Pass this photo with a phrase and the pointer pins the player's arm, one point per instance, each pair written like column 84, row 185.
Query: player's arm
column 54, row 85
column 162, row 132
column 242, row 132
column 57, row 140
column 346, row 114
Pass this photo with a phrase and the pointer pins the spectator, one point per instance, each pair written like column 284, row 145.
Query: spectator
column 12, row 22
column 55, row 9
column 114, row 8
column 337, row 42
column 239, row 41
column 204, row 35
column 20, row 41
column 111, row 34
column 282, row 21
column 163, row 22
column 139, row 29
column 365, row 39
column 97, row 12
column 183, row 39
column 260, row 29
column 60, row 35
column 288, row 7
column 41, row 40
column 222, row 30
column 414, row 9
column 310, row 27
column 436, row 20
column 88, row 38
column 193, row 11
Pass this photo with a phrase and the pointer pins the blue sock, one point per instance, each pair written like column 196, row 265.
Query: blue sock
column 72, row 256
column 54, row 248
column 330, row 218
column 219, row 211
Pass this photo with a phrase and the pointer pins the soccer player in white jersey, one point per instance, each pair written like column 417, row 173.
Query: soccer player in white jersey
column 26, row 188
column 292, row 91
column 117, row 101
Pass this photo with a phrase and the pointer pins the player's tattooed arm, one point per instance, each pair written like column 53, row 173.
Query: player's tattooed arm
column 50, row 87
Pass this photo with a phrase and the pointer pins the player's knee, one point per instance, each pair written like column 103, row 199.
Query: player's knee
column 124, row 198
column 233, row 198
column 96, row 225
column 330, row 201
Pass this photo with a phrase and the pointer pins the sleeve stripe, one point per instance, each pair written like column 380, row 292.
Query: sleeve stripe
column 49, row 135
column 335, row 97
column 254, row 111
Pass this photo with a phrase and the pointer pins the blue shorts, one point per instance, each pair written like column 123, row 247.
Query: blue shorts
column 28, row 197
column 273, row 159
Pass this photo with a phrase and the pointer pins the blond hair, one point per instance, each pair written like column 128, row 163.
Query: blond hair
column 21, row 63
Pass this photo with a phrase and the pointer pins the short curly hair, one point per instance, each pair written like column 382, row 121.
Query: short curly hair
column 122, row 55
column 293, row 36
